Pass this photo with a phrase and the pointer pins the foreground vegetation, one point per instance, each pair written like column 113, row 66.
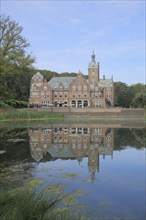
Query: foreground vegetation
column 29, row 204
column 26, row 114
column 22, row 204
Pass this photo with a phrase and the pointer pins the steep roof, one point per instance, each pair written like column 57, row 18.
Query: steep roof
column 93, row 63
column 65, row 81
column 37, row 75
column 105, row 83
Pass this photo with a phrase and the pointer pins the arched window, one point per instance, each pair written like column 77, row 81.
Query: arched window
column 55, row 104
column 73, row 103
column 85, row 103
column 79, row 104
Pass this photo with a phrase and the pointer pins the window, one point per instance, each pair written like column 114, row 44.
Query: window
column 79, row 87
column 74, row 87
column 108, row 94
column 97, row 130
column 73, row 95
column 65, row 139
column 108, row 138
column 99, row 104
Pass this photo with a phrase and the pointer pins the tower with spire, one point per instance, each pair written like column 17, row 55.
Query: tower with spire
column 93, row 72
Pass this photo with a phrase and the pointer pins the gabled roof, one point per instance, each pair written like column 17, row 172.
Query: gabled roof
column 37, row 75
column 65, row 81
column 105, row 83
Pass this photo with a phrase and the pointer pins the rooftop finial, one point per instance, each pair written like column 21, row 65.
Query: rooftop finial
column 93, row 56
column 80, row 73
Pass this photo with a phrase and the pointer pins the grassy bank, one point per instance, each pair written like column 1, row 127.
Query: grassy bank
column 21, row 204
column 26, row 114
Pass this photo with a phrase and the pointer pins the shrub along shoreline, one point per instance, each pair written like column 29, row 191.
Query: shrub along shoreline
column 26, row 114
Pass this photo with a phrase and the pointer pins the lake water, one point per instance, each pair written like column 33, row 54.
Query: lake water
column 101, row 164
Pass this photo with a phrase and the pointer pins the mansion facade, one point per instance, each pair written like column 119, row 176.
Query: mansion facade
column 77, row 92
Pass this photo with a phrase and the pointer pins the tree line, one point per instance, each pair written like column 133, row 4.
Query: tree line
column 16, row 70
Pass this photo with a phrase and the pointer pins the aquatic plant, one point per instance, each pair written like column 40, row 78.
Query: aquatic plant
column 23, row 203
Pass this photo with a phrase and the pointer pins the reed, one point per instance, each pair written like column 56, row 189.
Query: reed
column 25, row 114
column 22, row 204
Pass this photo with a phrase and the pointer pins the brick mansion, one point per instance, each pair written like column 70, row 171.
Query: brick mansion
column 77, row 92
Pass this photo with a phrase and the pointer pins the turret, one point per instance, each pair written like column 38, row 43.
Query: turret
column 93, row 72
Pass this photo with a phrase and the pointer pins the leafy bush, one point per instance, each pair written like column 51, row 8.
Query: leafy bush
column 16, row 103
column 4, row 106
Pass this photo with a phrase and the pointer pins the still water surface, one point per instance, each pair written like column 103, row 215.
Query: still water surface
column 103, row 164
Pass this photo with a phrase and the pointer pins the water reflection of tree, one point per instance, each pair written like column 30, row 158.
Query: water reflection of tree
column 129, row 137
column 15, row 150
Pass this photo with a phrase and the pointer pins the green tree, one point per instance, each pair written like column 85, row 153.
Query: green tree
column 140, row 99
column 13, row 45
column 15, row 64
column 135, row 88
column 126, row 96
column 123, row 95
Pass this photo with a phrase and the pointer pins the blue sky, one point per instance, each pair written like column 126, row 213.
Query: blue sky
column 63, row 34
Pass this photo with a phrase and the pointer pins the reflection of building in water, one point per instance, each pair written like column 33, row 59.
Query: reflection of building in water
column 69, row 142
column 39, row 142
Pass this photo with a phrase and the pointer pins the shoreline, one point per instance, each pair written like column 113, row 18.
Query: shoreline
column 74, row 114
